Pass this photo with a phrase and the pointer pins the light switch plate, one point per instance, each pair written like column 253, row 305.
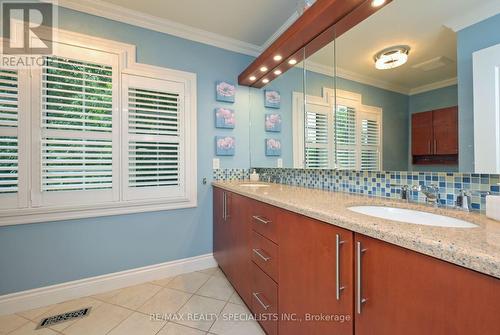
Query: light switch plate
column 280, row 162
column 216, row 163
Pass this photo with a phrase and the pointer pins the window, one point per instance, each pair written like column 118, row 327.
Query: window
column 155, row 140
column 12, row 139
column 318, row 136
column 346, row 137
column 105, row 139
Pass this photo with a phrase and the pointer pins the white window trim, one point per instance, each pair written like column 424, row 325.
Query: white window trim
column 127, row 64
column 328, row 99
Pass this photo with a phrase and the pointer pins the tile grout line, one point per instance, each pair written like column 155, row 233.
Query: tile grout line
column 103, row 302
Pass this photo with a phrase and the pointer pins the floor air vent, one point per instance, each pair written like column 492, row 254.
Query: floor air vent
column 56, row 319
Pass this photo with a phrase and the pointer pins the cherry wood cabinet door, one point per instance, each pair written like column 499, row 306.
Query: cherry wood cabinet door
column 445, row 124
column 222, row 241
column 414, row 294
column 240, row 256
column 308, row 277
column 422, row 134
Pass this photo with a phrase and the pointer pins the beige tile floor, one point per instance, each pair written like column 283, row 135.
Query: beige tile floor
column 200, row 303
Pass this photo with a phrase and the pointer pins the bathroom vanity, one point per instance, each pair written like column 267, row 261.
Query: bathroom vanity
column 305, row 264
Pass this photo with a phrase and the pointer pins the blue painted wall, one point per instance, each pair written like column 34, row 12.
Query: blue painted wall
column 37, row 255
column 476, row 37
column 290, row 81
column 423, row 102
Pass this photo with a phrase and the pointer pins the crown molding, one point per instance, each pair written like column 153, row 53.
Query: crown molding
column 121, row 14
column 349, row 75
column 478, row 14
column 280, row 30
column 434, row 86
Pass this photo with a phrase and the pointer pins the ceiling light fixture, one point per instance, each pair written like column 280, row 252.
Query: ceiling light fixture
column 265, row 80
column 277, row 58
column 263, row 69
column 292, row 61
column 252, row 78
column 277, row 72
column 378, row 3
column 392, row 57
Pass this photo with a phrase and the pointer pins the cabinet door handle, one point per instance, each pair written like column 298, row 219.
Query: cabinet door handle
column 261, row 219
column 224, row 206
column 435, row 146
column 263, row 257
column 259, row 300
column 338, row 287
column 359, row 294
column 430, row 147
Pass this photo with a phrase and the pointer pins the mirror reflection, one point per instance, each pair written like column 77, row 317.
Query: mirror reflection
column 383, row 101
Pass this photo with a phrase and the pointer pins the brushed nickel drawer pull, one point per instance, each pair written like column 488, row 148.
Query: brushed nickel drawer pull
column 338, row 286
column 258, row 253
column 261, row 219
column 359, row 294
column 265, row 306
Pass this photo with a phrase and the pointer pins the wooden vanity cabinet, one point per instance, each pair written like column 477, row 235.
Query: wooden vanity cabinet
column 221, row 229
column 231, row 240
column 308, row 260
column 413, row 294
column 434, row 138
column 293, row 275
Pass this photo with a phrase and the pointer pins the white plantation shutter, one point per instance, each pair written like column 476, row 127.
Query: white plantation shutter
column 12, row 139
column 75, row 143
column 318, row 135
column 8, row 131
column 370, row 141
column 347, row 136
column 78, row 137
column 153, row 129
column 345, row 130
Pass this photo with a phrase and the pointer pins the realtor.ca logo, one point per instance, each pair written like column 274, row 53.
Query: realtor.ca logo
column 27, row 32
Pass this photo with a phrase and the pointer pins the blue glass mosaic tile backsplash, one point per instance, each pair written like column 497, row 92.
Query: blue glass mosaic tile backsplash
column 379, row 184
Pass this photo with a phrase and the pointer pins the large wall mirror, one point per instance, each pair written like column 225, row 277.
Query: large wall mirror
column 381, row 96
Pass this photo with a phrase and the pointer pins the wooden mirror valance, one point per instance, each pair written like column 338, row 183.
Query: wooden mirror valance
column 317, row 27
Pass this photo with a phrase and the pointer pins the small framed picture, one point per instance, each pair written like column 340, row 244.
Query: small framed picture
column 225, row 145
column 273, row 123
column 273, row 147
column 225, row 91
column 272, row 99
column 224, row 118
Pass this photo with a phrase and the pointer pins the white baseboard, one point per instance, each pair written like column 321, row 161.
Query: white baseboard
column 29, row 299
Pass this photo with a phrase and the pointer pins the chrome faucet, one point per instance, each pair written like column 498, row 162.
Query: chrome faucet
column 405, row 189
column 463, row 201
column 431, row 193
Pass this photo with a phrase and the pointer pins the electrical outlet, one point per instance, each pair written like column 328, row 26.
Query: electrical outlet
column 280, row 162
column 216, row 163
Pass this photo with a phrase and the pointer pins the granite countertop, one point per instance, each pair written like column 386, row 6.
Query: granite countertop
column 474, row 248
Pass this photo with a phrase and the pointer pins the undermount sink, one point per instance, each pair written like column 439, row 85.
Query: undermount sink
column 254, row 185
column 412, row 216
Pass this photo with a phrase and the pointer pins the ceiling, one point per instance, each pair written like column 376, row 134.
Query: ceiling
column 419, row 24
column 248, row 26
column 250, row 21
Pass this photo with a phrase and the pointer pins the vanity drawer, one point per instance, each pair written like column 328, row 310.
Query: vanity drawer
column 265, row 301
column 264, row 220
column 265, row 255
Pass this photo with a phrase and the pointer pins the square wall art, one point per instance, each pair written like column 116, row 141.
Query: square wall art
column 272, row 99
column 224, row 118
column 225, row 91
column 273, row 147
column 273, row 123
column 225, row 145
